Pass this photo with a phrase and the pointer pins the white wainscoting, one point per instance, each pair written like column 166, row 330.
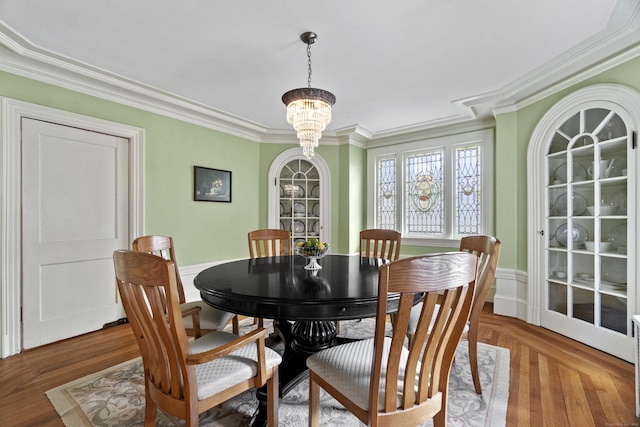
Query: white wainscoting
column 189, row 272
column 510, row 298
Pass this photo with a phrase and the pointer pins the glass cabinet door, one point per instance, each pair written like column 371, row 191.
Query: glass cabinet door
column 588, row 201
column 300, row 202
column 299, row 197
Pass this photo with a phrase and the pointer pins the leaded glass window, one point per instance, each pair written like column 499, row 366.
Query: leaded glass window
column 423, row 192
column 468, row 194
column 386, row 213
column 437, row 190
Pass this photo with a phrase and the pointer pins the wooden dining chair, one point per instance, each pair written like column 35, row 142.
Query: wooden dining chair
column 185, row 378
column 198, row 315
column 269, row 242
column 487, row 249
column 380, row 380
column 380, row 243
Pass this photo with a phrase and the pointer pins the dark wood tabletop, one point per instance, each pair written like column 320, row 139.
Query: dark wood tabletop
column 280, row 288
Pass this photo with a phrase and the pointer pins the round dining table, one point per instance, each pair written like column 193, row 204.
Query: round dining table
column 304, row 304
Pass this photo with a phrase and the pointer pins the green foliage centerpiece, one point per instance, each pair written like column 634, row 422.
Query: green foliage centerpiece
column 312, row 249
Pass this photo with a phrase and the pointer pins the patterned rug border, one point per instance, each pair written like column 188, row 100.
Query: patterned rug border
column 73, row 415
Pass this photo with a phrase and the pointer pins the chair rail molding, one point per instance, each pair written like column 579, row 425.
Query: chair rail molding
column 12, row 112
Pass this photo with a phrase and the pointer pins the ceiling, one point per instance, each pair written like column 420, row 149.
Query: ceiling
column 392, row 65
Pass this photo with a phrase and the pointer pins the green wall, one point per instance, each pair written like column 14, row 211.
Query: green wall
column 206, row 231
column 203, row 231
column 513, row 132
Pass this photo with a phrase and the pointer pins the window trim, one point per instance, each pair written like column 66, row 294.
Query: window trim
column 485, row 138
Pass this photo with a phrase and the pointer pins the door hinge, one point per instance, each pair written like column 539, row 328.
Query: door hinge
column 634, row 140
column 541, row 232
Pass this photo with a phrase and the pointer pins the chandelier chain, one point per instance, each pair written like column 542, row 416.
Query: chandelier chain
column 309, row 63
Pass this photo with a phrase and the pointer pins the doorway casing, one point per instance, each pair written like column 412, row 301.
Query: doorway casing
column 10, row 200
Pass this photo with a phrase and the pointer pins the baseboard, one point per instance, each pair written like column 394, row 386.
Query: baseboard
column 510, row 298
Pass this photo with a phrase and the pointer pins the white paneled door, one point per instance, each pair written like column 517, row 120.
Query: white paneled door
column 74, row 215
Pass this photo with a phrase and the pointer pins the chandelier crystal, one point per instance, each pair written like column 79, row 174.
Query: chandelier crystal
column 309, row 109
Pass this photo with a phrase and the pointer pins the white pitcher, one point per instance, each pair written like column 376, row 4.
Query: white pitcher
column 605, row 169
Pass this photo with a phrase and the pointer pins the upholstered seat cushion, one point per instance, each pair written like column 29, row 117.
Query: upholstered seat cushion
column 347, row 367
column 210, row 318
column 225, row 372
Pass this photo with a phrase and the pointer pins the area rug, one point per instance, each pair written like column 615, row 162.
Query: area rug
column 115, row 396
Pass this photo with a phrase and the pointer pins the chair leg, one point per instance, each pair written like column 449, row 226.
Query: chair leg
column 473, row 359
column 150, row 408
column 235, row 325
column 314, row 402
column 196, row 325
column 193, row 419
column 273, row 399
column 440, row 419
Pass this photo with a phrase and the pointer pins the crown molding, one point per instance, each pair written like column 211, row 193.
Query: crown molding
column 419, row 133
column 612, row 46
column 598, row 53
column 19, row 56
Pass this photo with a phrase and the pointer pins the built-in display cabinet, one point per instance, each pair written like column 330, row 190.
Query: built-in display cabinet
column 299, row 196
column 586, row 240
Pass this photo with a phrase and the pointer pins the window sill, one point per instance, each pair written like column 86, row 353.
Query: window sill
column 435, row 243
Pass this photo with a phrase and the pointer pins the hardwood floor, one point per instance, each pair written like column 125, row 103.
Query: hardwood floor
column 554, row 381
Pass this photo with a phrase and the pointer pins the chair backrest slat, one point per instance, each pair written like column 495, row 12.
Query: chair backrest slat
column 447, row 279
column 487, row 249
column 269, row 242
column 380, row 243
column 163, row 247
column 147, row 285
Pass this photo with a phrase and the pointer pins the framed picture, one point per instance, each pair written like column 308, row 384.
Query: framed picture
column 211, row 185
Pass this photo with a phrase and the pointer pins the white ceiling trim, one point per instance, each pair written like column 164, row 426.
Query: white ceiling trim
column 21, row 57
column 595, row 55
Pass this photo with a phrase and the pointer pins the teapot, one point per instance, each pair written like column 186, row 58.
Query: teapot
column 604, row 167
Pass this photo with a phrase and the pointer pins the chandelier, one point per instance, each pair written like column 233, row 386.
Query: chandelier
column 309, row 109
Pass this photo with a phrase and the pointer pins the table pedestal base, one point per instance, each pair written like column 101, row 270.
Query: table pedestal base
column 301, row 339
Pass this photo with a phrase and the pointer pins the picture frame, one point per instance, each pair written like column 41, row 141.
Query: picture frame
column 211, row 185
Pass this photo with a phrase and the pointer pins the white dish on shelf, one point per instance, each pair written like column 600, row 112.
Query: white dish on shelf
column 615, row 270
column 292, row 190
column 579, row 173
column 579, row 234
column 315, row 210
column 297, row 227
column 579, row 203
column 602, row 246
column 582, row 281
column 609, row 286
column 297, row 191
column 314, row 229
column 619, row 199
column 605, row 210
column 299, row 209
column 315, row 191
column 281, row 209
column 618, row 236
